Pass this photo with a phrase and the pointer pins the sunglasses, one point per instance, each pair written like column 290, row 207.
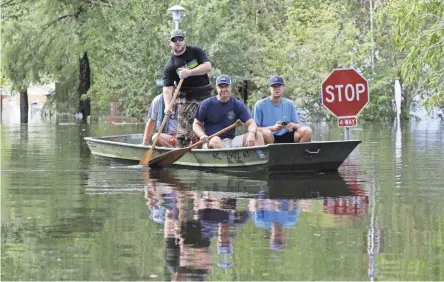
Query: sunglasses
column 176, row 39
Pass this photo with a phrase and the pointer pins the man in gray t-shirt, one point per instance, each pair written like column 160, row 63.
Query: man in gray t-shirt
column 155, row 117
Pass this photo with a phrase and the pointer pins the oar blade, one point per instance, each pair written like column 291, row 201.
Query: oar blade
column 168, row 158
column 146, row 158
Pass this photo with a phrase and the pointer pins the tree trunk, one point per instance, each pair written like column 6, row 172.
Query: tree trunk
column 406, row 103
column 84, row 84
column 244, row 91
column 24, row 105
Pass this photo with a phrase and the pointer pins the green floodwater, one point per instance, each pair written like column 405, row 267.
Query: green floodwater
column 67, row 216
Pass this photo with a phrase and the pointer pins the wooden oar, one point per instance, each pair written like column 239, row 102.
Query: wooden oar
column 170, row 157
column 149, row 154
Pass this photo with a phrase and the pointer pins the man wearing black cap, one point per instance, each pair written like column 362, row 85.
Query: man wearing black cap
column 221, row 111
column 191, row 64
column 277, row 118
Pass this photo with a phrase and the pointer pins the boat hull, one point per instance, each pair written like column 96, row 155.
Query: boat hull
column 314, row 156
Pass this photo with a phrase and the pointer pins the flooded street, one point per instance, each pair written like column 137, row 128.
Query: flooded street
column 67, row 216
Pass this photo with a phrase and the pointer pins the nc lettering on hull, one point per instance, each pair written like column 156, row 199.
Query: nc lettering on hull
column 236, row 155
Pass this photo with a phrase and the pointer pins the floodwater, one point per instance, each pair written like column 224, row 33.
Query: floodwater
column 67, row 216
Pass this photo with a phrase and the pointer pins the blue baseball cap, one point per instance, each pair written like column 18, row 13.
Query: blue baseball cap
column 276, row 79
column 223, row 79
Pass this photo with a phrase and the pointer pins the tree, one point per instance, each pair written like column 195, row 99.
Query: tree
column 420, row 34
column 103, row 51
column 46, row 42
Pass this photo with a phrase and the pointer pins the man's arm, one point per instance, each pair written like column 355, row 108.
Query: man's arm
column 169, row 77
column 199, row 70
column 167, row 96
column 149, row 129
column 251, row 125
column 199, row 131
column 252, row 128
column 294, row 124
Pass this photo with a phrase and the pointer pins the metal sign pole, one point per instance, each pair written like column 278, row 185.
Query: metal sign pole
column 347, row 133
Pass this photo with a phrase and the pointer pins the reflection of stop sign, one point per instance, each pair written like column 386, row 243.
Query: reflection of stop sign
column 345, row 92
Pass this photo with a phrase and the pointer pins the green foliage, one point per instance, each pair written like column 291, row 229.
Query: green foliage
column 127, row 45
column 127, row 48
column 420, row 34
column 43, row 44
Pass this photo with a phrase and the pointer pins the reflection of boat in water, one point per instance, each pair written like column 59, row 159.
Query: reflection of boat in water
column 236, row 185
column 275, row 185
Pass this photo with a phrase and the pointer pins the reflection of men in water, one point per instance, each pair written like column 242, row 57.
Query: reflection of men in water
column 161, row 199
column 189, row 225
column 187, row 253
column 275, row 215
column 219, row 218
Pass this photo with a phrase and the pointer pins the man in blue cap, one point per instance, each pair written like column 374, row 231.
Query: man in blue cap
column 277, row 118
column 221, row 111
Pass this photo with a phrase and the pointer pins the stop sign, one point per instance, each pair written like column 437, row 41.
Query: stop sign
column 345, row 92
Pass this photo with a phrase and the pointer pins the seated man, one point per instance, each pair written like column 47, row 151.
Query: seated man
column 156, row 115
column 221, row 111
column 277, row 118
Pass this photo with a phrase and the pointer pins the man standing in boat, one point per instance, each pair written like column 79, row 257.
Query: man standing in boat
column 193, row 65
column 221, row 111
column 155, row 117
column 277, row 118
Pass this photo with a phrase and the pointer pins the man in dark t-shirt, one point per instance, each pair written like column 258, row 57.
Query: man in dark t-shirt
column 191, row 64
column 221, row 111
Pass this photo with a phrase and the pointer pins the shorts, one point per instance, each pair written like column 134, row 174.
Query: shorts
column 187, row 103
column 236, row 142
column 287, row 137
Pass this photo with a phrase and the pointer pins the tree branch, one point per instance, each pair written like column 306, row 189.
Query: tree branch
column 433, row 16
column 99, row 2
column 7, row 3
column 61, row 18
column 12, row 3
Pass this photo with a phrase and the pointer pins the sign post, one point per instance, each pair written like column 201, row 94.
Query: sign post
column 345, row 93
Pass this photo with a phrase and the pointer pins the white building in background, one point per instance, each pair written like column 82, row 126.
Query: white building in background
column 38, row 95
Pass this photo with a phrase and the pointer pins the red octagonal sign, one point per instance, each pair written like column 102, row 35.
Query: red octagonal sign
column 345, row 92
